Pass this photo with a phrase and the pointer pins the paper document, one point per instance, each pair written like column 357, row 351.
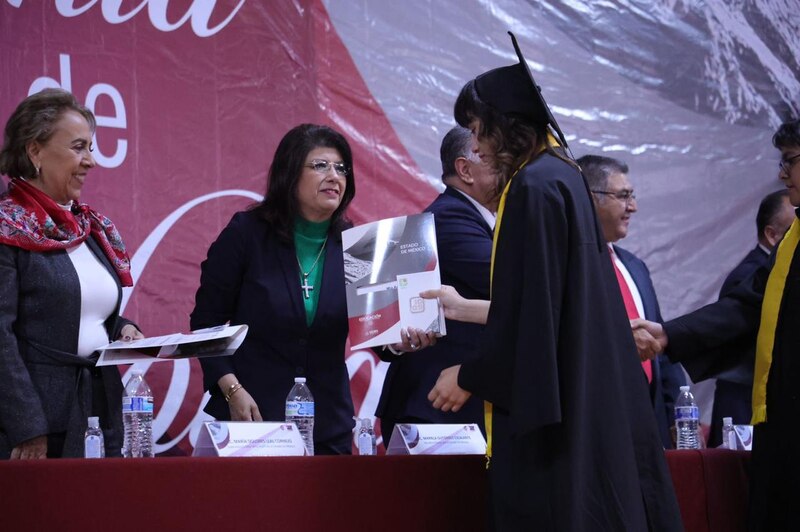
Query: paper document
column 386, row 265
column 213, row 342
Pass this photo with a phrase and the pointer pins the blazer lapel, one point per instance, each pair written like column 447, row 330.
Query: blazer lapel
column 287, row 258
column 332, row 272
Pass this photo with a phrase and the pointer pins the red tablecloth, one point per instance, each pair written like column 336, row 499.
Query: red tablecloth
column 384, row 493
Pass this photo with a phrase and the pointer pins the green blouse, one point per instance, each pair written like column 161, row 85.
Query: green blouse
column 309, row 237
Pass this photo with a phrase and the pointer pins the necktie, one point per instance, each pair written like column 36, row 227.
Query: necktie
column 630, row 307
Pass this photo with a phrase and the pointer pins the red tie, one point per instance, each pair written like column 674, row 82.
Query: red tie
column 630, row 307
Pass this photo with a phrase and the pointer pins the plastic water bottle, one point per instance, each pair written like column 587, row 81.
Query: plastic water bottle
column 93, row 444
column 687, row 420
column 300, row 411
column 137, row 416
column 728, row 434
column 366, row 443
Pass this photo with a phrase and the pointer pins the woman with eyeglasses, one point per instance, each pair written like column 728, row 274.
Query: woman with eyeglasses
column 278, row 268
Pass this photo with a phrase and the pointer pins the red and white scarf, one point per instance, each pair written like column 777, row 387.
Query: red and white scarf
column 31, row 220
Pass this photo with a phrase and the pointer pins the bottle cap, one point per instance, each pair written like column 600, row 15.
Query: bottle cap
column 299, row 379
column 94, row 422
column 727, row 421
column 685, row 388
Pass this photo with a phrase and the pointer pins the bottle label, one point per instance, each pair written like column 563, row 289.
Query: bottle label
column 137, row 405
column 687, row 413
column 364, row 444
column 92, row 446
column 300, row 408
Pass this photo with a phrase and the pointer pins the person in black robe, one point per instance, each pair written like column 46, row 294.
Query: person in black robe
column 575, row 444
column 766, row 307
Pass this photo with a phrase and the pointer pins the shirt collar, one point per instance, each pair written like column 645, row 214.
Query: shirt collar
column 487, row 215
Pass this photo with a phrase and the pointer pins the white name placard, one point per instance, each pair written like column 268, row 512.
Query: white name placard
column 409, row 438
column 248, row 438
column 744, row 437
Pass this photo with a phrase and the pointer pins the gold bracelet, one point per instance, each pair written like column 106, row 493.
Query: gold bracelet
column 235, row 387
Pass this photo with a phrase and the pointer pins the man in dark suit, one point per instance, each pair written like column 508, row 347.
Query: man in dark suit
column 615, row 203
column 464, row 214
column 734, row 388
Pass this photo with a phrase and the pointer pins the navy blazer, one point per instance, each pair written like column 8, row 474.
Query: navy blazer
column 668, row 377
column 251, row 277
column 464, row 242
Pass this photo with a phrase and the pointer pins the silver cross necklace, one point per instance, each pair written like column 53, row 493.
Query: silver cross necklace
column 307, row 288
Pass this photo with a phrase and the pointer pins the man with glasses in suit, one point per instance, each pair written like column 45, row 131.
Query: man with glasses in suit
column 615, row 202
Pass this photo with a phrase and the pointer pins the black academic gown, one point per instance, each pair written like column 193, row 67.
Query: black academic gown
column 702, row 342
column 576, row 446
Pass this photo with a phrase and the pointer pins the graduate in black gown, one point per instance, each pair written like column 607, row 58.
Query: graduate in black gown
column 765, row 308
column 575, row 444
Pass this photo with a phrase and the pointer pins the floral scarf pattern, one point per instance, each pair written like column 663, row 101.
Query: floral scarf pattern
column 31, row 220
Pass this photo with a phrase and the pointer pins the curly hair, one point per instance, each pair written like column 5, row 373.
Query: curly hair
column 513, row 138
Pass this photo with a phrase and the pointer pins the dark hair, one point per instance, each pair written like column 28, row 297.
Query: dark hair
column 597, row 169
column 788, row 135
column 279, row 206
column 769, row 209
column 513, row 137
column 455, row 144
column 34, row 120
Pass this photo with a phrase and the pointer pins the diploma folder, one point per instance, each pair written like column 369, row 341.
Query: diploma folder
column 386, row 265
column 223, row 340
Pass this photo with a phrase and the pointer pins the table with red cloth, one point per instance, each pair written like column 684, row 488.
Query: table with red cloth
column 387, row 493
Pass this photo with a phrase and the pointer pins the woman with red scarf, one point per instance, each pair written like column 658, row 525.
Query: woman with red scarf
column 62, row 268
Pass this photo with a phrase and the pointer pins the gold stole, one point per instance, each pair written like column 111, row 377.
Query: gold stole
column 487, row 406
column 770, row 308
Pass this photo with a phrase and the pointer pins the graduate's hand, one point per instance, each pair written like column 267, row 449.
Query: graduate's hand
column 650, row 338
column 458, row 308
column 243, row 407
column 446, row 394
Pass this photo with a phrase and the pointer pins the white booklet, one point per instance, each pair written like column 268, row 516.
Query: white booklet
column 223, row 340
column 386, row 265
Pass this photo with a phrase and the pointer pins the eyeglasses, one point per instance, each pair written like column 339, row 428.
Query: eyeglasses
column 625, row 196
column 786, row 164
column 322, row 166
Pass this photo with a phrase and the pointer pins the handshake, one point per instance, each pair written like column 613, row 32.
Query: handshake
column 650, row 338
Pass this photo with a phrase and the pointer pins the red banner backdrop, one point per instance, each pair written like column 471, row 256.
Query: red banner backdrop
column 191, row 99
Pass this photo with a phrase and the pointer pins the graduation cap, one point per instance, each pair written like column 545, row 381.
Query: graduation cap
column 512, row 89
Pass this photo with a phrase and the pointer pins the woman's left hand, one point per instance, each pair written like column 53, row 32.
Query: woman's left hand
column 414, row 340
column 130, row 333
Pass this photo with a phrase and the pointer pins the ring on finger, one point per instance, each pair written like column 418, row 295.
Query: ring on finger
column 413, row 346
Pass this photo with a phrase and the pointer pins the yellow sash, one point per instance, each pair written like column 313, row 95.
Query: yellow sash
column 487, row 406
column 770, row 307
